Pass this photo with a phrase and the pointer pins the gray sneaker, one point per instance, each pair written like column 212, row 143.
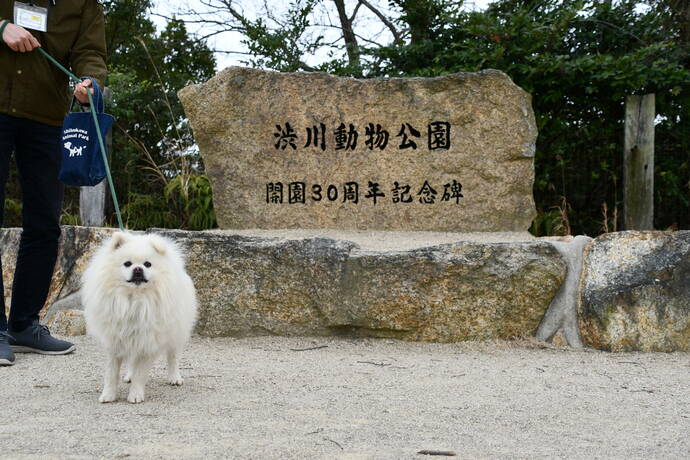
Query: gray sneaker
column 37, row 339
column 6, row 354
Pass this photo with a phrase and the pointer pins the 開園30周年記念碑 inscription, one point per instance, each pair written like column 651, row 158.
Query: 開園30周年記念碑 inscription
column 311, row 150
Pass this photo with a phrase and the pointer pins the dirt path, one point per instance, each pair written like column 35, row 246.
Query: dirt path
column 351, row 399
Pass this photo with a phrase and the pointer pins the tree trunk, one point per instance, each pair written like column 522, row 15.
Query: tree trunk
column 348, row 34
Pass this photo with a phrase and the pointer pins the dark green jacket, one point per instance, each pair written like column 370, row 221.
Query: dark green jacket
column 34, row 88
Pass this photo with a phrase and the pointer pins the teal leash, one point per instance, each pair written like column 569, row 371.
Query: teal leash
column 98, row 132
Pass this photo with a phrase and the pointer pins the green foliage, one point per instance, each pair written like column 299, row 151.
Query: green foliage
column 156, row 167
column 186, row 203
column 70, row 210
column 426, row 18
column 13, row 213
column 147, row 211
column 546, row 223
column 579, row 60
column 70, row 219
column 152, row 140
column 282, row 48
column 554, row 222
column 192, row 195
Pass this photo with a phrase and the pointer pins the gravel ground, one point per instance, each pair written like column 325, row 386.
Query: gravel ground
column 355, row 399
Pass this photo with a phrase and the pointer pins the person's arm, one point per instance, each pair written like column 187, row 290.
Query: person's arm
column 89, row 53
column 17, row 38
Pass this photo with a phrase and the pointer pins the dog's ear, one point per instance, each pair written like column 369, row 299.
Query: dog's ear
column 118, row 239
column 159, row 245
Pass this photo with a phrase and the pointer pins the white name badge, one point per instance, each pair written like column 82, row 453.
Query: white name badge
column 31, row 17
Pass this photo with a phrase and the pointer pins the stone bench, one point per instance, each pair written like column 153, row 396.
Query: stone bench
column 634, row 292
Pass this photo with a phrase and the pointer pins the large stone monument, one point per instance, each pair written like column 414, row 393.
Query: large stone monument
column 305, row 150
column 301, row 163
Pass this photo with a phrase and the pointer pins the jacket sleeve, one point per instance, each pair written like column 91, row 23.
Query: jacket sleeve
column 88, row 53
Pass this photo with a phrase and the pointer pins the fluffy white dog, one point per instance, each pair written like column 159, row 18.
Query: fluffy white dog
column 139, row 303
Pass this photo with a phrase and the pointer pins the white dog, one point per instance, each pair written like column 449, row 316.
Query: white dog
column 139, row 303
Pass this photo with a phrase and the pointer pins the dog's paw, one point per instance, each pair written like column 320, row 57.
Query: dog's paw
column 175, row 380
column 135, row 396
column 107, row 396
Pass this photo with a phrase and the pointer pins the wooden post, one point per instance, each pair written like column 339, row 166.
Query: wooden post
column 638, row 163
column 92, row 200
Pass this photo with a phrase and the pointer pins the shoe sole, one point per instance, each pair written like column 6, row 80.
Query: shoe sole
column 23, row 349
column 6, row 362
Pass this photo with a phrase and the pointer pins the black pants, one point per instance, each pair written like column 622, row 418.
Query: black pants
column 36, row 149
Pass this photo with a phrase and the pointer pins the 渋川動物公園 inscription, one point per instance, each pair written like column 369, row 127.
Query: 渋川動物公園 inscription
column 345, row 137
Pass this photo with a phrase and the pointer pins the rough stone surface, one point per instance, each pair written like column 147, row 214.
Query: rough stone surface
column 320, row 286
column 9, row 242
column 67, row 322
column 66, row 316
column 77, row 244
column 636, row 293
column 236, row 114
column 437, row 287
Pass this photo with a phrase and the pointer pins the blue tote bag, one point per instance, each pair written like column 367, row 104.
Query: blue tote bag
column 82, row 161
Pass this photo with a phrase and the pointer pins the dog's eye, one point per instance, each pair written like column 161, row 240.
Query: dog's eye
column 128, row 264
column 147, row 264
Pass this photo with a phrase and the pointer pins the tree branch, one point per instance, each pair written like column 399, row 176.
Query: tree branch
column 397, row 38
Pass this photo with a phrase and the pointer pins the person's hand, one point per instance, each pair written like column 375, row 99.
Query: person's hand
column 80, row 90
column 19, row 39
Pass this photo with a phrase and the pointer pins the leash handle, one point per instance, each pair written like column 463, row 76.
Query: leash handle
column 97, row 96
column 98, row 132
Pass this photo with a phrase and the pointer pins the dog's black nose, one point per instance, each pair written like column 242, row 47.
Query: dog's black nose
column 138, row 276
